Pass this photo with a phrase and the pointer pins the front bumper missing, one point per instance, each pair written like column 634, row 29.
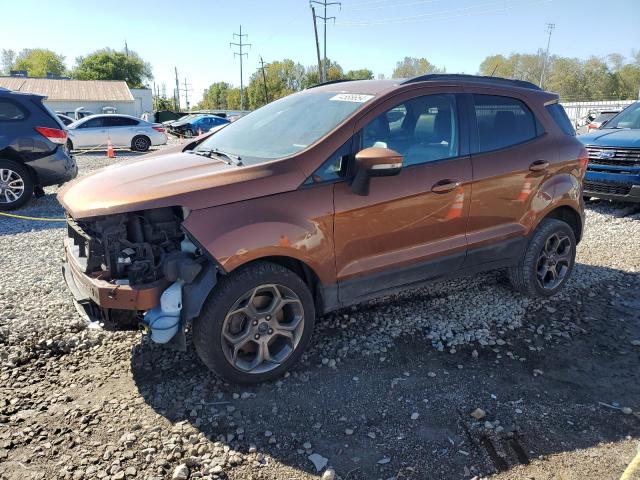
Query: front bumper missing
column 94, row 295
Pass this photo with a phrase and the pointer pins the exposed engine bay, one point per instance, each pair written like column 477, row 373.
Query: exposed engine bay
column 134, row 248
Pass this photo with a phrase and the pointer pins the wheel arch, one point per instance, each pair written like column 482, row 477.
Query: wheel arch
column 570, row 216
column 303, row 270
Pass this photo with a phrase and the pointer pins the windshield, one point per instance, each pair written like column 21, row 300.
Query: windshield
column 628, row 118
column 284, row 127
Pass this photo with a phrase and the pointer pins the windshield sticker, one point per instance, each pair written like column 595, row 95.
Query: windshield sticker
column 351, row 97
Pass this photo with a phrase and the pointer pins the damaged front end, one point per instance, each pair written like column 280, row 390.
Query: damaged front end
column 137, row 268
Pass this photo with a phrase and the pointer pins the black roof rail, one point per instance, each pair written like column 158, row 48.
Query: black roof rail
column 330, row 82
column 472, row 78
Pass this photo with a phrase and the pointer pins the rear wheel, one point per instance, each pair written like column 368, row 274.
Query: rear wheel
column 140, row 143
column 548, row 261
column 16, row 185
column 256, row 324
column 188, row 133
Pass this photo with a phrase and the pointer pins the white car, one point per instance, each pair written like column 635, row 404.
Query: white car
column 122, row 130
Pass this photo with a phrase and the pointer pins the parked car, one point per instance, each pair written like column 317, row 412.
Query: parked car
column 192, row 126
column 247, row 234
column 614, row 158
column 77, row 114
column 122, row 130
column 32, row 151
column 600, row 119
column 184, row 118
column 64, row 119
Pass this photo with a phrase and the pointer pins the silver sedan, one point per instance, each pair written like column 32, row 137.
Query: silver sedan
column 122, row 130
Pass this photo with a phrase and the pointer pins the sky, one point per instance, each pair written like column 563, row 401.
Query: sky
column 194, row 35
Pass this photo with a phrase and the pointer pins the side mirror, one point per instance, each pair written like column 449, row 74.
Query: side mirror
column 374, row 162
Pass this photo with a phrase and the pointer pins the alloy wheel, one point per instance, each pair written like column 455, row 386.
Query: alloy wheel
column 140, row 144
column 262, row 328
column 11, row 186
column 554, row 261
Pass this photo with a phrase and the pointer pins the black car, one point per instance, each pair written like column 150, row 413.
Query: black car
column 33, row 150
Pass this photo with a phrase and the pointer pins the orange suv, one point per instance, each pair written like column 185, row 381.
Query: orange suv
column 325, row 198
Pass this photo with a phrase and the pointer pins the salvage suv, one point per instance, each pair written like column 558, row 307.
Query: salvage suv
column 328, row 197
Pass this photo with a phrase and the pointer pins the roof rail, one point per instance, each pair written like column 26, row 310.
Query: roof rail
column 330, row 82
column 472, row 78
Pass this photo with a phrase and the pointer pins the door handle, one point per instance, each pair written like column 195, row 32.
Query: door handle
column 538, row 165
column 444, row 186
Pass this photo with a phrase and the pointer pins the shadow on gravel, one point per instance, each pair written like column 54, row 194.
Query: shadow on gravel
column 540, row 390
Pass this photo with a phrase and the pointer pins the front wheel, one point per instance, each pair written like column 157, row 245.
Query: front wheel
column 16, row 185
column 548, row 261
column 256, row 324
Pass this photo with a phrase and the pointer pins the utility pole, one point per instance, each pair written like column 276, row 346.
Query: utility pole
column 126, row 48
column 176, row 95
column 315, row 29
column 186, row 92
column 325, row 4
column 240, row 45
column 550, row 27
column 264, row 80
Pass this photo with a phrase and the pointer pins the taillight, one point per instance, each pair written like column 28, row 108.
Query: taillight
column 583, row 160
column 592, row 126
column 54, row 135
column 159, row 129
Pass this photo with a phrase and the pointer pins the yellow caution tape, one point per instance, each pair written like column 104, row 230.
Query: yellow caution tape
column 40, row 219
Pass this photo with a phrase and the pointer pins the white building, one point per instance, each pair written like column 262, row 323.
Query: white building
column 66, row 95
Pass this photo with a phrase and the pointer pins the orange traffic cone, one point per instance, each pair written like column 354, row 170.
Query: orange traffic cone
column 110, row 152
column 525, row 192
column 458, row 204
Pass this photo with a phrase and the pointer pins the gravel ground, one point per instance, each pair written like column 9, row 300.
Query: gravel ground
column 386, row 390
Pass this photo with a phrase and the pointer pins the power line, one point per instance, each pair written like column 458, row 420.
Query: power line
column 240, row 44
column 550, row 28
column 391, row 5
column 472, row 10
column 325, row 4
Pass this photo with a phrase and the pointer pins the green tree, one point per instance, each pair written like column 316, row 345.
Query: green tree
column 233, row 99
column 7, row 57
column 161, row 103
column 282, row 78
column 108, row 64
column 215, row 96
column 359, row 74
column 38, row 62
column 334, row 72
column 412, row 67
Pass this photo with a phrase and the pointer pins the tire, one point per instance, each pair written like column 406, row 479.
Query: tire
column 534, row 273
column 69, row 145
column 140, row 143
column 188, row 133
column 16, row 185
column 251, row 285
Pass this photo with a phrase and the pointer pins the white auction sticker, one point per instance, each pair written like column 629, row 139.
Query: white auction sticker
column 351, row 97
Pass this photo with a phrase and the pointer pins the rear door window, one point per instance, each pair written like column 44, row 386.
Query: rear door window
column 503, row 122
column 10, row 111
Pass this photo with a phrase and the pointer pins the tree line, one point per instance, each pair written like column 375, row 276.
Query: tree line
column 103, row 64
column 612, row 77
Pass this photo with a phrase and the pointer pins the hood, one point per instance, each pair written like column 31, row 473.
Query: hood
column 175, row 179
column 612, row 137
column 181, row 123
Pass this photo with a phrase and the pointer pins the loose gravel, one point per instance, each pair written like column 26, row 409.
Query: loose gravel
column 385, row 391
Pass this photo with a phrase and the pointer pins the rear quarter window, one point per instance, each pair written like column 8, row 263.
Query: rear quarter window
column 10, row 111
column 561, row 119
